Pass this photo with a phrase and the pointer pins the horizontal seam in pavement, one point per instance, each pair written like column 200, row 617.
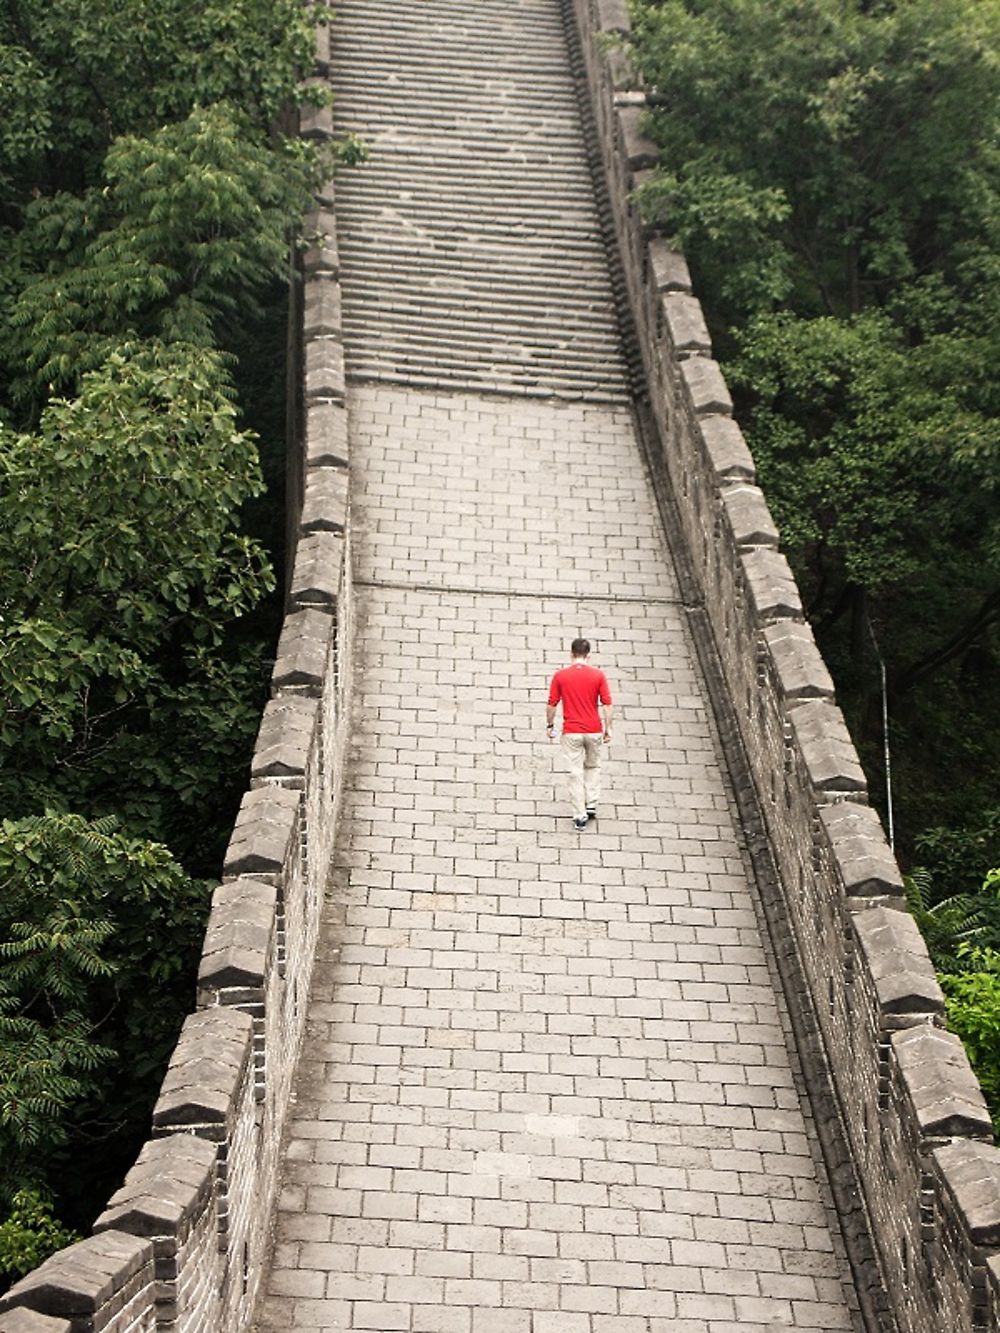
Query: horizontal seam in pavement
column 610, row 599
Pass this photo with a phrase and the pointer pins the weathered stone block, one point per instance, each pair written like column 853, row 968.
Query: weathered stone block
column 239, row 936
column 970, row 1172
column 322, row 68
column 324, row 369
column 326, row 435
column 668, row 269
column 685, row 324
column 303, row 651
column 749, row 517
column 707, row 390
column 265, row 825
column 945, row 1094
column 285, row 738
column 896, row 958
column 324, row 508
column 728, row 452
column 822, row 739
column 771, row 586
column 319, row 560
column 83, row 1279
column 166, row 1191
column 28, row 1321
column 322, row 313
column 864, row 861
column 798, row 664
column 613, row 16
column 639, row 150
column 621, row 68
column 316, row 122
column 203, row 1080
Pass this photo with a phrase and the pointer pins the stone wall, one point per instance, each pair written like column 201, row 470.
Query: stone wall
column 911, row 1152
column 182, row 1244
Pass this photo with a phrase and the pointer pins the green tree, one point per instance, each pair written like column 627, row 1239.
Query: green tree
column 832, row 171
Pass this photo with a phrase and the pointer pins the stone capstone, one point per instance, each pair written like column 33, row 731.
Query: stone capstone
column 668, row 268
column 749, row 518
column 285, row 738
column 316, row 575
column 326, row 435
column 896, row 959
column 267, row 822
column 324, row 369
column 728, row 452
column 707, row 389
column 821, row 737
column 303, row 651
column 640, row 151
column 798, row 664
column 239, row 936
column 167, row 1190
column 28, row 1321
column 770, row 585
column 864, row 860
column 684, row 320
column 944, row 1092
column 324, row 508
column 970, row 1172
column 202, row 1082
column 83, row 1279
column 321, row 313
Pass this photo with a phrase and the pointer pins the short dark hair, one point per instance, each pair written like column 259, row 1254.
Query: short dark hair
column 580, row 647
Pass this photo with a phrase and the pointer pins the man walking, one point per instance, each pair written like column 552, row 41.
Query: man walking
column 580, row 688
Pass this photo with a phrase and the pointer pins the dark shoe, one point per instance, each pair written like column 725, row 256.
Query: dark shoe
column 580, row 823
column 591, row 811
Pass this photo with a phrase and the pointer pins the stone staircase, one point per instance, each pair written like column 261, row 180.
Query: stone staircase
column 470, row 241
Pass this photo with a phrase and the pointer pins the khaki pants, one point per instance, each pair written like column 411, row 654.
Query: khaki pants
column 582, row 753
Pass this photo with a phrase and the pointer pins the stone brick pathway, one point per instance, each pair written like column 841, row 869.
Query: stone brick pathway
column 547, row 1086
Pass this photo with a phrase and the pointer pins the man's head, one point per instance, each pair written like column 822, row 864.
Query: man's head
column 580, row 647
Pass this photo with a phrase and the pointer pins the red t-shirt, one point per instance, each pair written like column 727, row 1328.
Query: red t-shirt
column 579, row 687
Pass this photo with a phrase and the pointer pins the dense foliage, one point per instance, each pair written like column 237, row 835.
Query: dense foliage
column 831, row 168
column 147, row 199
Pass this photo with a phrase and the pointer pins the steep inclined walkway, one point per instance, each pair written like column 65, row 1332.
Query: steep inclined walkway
column 546, row 1086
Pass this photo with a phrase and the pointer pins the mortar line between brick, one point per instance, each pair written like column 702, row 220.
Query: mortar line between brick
column 611, row 599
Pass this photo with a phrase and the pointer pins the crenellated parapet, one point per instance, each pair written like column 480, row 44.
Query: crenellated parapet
column 917, row 1174
column 181, row 1245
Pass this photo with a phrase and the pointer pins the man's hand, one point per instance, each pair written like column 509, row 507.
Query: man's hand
column 607, row 735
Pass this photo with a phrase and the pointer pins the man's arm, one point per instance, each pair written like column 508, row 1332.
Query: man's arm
column 608, row 710
column 553, row 703
column 604, row 696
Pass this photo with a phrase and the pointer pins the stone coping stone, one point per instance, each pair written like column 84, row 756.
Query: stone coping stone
column 29, row 1321
column 685, row 323
column 322, row 311
column 262, row 835
column 324, row 508
column 287, row 729
column 770, row 585
column 166, row 1191
column 897, row 961
column 822, row 739
column 325, row 376
column 613, row 16
column 640, row 151
column 239, row 935
column 316, row 574
column 316, row 122
column 728, row 452
column 706, row 385
column 668, row 269
column 749, row 518
column 798, row 663
column 206, row 1070
column 970, row 1172
column 303, row 651
column 82, row 1279
column 326, row 435
column 621, row 69
column 944, row 1092
column 864, row 859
